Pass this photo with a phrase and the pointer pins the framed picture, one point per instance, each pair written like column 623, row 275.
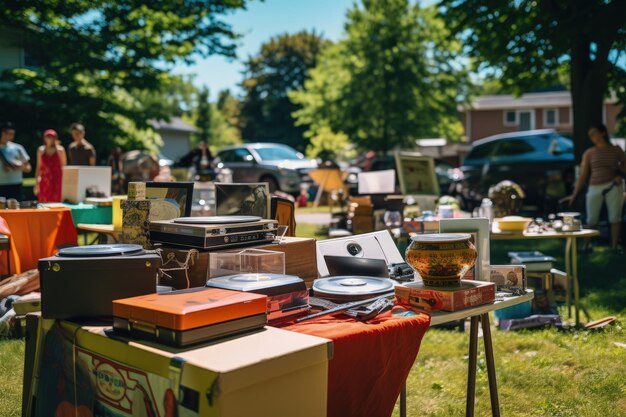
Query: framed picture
column 169, row 200
column 479, row 229
column 243, row 199
column 416, row 174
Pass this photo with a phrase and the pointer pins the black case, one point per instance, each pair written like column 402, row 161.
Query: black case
column 84, row 287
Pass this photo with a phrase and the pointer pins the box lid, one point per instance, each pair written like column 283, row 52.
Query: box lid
column 530, row 257
column 233, row 363
column 191, row 308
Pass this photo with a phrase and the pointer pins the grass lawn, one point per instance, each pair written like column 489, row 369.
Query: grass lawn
column 560, row 373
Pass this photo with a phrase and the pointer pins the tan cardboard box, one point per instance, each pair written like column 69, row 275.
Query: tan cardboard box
column 269, row 373
column 300, row 257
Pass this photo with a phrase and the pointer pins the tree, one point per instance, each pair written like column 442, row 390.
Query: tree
column 203, row 117
column 393, row 79
column 88, row 60
column 529, row 42
column 280, row 67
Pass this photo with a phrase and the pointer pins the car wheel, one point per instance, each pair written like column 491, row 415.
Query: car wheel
column 271, row 182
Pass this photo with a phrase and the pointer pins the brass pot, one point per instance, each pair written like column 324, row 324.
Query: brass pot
column 441, row 259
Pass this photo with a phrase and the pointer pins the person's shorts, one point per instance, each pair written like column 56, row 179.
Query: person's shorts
column 614, row 200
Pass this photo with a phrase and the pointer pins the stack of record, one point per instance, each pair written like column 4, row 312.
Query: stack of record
column 351, row 288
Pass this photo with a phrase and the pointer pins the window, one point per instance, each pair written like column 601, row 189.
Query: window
column 510, row 118
column 235, row 155
column 482, row 151
column 515, row 147
column 550, row 117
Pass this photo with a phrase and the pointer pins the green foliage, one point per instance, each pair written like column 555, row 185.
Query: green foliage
column 203, row 117
column 326, row 144
column 280, row 67
column 530, row 44
column 393, row 79
column 82, row 54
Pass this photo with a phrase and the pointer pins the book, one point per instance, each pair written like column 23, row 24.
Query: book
column 534, row 261
column 429, row 299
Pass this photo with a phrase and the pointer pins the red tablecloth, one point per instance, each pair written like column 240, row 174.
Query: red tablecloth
column 371, row 361
column 35, row 233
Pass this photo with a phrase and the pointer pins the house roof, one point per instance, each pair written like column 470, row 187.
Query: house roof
column 175, row 123
column 549, row 99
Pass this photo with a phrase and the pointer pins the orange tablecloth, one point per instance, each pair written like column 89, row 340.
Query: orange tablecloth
column 371, row 361
column 35, row 233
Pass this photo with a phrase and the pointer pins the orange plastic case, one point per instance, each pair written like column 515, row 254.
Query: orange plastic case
column 190, row 316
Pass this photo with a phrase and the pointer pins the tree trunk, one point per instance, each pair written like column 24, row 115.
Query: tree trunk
column 589, row 79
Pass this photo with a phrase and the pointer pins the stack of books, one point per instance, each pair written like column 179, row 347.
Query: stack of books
column 535, row 261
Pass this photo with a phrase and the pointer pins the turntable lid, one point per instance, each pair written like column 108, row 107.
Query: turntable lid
column 352, row 285
column 252, row 281
column 101, row 250
column 216, row 219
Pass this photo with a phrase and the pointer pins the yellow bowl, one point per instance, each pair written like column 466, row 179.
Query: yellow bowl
column 513, row 223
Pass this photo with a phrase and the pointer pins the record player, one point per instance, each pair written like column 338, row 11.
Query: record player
column 352, row 288
column 287, row 295
column 193, row 315
column 82, row 281
column 213, row 232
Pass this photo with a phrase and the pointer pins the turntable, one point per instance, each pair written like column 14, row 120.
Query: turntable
column 213, row 232
column 82, row 281
column 352, row 288
column 287, row 295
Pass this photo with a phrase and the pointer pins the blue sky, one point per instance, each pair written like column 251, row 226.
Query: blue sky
column 260, row 22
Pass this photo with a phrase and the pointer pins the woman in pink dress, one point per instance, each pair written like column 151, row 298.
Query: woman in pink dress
column 51, row 159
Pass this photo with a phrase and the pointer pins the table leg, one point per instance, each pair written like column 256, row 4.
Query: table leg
column 403, row 401
column 491, row 366
column 471, row 367
column 574, row 260
column 568, row 271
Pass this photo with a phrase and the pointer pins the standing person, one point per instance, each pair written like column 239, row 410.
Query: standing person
column 604, row 164
column 80, row 151
column 51, row 159
column 15, row 162
column 117, row 170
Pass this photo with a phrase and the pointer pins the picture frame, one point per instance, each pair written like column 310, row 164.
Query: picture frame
column 479, row 228
column 416, row 174
column 169, row 200
column 243, row 199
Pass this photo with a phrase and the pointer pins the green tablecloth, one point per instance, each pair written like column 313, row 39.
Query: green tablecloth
column 90, row 213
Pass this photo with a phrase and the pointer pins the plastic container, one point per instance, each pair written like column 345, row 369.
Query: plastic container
column 518, row 311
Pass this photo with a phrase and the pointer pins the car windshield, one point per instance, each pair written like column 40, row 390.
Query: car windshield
column 277, row 153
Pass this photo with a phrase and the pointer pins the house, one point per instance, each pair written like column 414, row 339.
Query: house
column 490, row 115
column 176, row 136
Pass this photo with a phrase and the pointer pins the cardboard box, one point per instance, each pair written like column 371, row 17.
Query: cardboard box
column 469, row 294
column 183, row 268
column 76, row 180
column 300, row 257
column 271, row 372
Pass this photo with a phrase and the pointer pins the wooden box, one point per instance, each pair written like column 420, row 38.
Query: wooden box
column 300, row 257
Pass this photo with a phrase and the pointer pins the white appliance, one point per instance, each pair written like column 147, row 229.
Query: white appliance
column 76, row 180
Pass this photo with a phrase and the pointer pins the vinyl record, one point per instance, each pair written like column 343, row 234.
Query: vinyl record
column 252, row 281
column 349, row 288
column 101, row 250
column 217, row 219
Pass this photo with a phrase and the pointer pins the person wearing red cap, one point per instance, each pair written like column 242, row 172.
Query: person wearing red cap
column 51, row 159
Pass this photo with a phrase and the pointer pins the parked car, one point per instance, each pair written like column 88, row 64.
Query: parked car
column 541, row 162
column 281, row 166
